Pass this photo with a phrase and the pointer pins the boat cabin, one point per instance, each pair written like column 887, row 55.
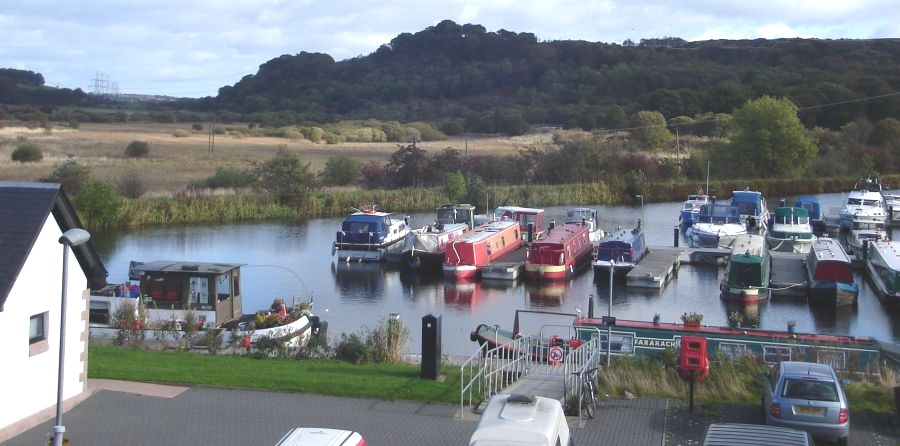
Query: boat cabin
column 525, row 216
column 211, row 290
column 456, row 213
column 370, row 228
column 623, row 245
column 811, row 205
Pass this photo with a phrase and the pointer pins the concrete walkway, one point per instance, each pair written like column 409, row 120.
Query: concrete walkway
column 139, row 414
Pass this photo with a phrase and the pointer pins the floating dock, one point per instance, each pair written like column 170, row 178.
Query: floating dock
column 788, row 276
column 655, row 269
column 510, row 266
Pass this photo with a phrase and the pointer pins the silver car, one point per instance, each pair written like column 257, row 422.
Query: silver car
column 807, row 396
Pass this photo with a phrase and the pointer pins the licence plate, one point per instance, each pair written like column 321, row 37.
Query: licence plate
column 807, row 410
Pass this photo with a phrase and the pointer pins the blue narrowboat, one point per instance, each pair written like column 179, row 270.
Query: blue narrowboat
column 621, row 250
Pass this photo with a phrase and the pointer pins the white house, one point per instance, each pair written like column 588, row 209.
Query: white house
column 33, row 217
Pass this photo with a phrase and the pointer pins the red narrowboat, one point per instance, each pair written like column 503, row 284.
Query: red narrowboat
column 561, row 252
column 479, row 247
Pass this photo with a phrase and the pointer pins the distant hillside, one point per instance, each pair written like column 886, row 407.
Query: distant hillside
column 472, row 80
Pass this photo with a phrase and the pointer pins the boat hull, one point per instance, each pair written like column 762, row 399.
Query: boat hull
column 798, row 245
column 356, row 252
column 833, row 293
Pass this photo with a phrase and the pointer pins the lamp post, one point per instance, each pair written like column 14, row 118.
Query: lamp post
column 72, row 237
column 641, row 196
column 612, row 266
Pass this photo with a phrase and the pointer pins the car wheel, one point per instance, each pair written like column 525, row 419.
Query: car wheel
column 843, row 441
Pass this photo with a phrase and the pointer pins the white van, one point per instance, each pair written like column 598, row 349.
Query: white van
column 314, row 436
column 522, row 419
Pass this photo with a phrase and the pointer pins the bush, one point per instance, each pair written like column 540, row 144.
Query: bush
column 226, row 178
column 27, row 153
column 130, row 186
column 352, row 349
column 137, row 149
column 181, row 133
column 197, row 126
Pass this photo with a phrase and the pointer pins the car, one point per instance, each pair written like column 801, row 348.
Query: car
column 807, row 396
column 315, row 436
column 730, row 434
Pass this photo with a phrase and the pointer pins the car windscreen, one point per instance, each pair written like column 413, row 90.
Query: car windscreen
column 807, row 389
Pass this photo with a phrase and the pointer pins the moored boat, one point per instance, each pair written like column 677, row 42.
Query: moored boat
column 790, row 230
column 368, row 235
column 424, row 248
column 531, row 220
column 747, row 273
column 829, row 274
column 620, row 250
column 753, row 210
column 588, row 216
column 717, row 225
column 865, row 202
column 855, row 355
column 882, row 260
column 862, row 232
column 479, row 247
column 561, row 252
column 690, row 209
column 816, row 219
column 169, row 295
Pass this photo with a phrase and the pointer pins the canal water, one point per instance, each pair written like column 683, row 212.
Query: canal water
column 292, row 260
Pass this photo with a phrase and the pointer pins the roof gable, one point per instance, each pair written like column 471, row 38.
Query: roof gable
column 23, row 209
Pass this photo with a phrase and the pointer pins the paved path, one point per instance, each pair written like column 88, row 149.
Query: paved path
column 248, row 417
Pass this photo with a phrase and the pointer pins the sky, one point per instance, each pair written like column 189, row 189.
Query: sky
column 191, row 48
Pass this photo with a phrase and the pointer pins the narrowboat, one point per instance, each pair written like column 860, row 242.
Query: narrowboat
column 620, row 250
column 561, row 252
column 717, row 225
column 882, row 262
column 170, row 294
column 864, row 202
column 424, row 248
column 589, row 217
column 690, row 209
column 854, row 355
column 816, row 219
column 790, row 230
column 746, row 276
column 479, row 247
column 531, row 220
column 753, row 209
column 829, row 274
column 368, row 235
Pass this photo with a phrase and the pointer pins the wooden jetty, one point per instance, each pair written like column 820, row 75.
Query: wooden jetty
column 788, row 276
column 655, row 269
column 510, row 266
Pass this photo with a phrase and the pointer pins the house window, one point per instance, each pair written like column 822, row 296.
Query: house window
column 37, row 334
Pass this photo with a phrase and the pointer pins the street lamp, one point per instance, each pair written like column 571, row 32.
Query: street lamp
column 641, row 196
column 612, row 267
column 72, row 237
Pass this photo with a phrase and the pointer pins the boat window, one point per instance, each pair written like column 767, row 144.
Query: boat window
column 837, row 359
column 773, row 353
column 356, row 227
column 855, row 201
column 199, row 288
column 733, row 350
column 502, row 240
column 223, row 286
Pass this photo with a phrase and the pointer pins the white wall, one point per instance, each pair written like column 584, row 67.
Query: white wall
column 30, row 382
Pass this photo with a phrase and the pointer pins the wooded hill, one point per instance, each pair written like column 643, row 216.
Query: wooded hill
column 471, row 80
column 466, row 79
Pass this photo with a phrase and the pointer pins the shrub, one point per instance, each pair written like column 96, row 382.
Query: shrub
column 197, row 126
column 351, row 348
column 70, row 175
column 130, row 186
column 181, row 133
column 293, row 134
column 226, row 178
column 27, row 153
column 137, row 149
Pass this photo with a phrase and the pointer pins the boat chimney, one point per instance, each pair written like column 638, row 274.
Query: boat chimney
column 781, row 203
column 552, row 225
column 530, row 232
column 591, row 306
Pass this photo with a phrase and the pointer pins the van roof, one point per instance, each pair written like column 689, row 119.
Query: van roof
column 519, row 420
column 315, row 436
column 737, row 434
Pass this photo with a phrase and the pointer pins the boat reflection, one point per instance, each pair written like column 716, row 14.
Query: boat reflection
column 359, row 280
column 749, row 311
column 546, row 294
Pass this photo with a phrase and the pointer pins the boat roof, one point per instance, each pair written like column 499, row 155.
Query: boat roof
column 720, row 210
column 465, row 206
column 749, row 244
column 486, row 230
column 890, row 252
column 517, row 210
column 788, row 211
column 169, row 266
column 746, row 195
column 868, row 184
column 826, row 248
column 621, row 235
column 561, row 234
column 774, row 335
column 578, row 212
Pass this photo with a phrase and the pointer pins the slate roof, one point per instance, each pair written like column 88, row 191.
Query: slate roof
column 23, row 209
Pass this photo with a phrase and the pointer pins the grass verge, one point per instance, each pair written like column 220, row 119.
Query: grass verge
column 325, row 377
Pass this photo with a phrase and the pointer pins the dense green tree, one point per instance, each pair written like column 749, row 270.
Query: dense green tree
column 286, row 177
column 70, row 175
column 886, row 133
column 408, row 167
column 770, row 140
column 98, row 204
column 455, row 186
column 341, row 171
column 651, row 130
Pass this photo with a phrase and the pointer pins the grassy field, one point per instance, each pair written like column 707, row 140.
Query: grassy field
column 174, row 162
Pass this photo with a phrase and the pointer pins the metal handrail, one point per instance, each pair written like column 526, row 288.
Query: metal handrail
column 489, row 370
